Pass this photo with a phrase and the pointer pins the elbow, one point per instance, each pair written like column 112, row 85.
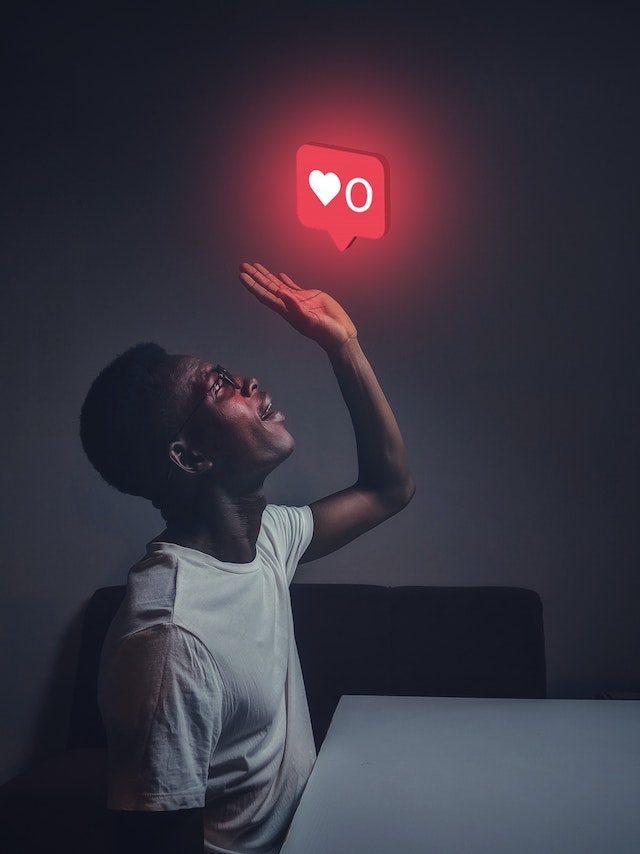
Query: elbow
column 401, row 496
column 409, row 492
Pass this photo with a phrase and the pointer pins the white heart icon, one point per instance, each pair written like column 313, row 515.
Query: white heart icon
column 325, row 186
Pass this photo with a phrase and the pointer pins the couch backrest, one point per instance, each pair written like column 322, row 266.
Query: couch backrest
column 417, row 641
column 368, row 639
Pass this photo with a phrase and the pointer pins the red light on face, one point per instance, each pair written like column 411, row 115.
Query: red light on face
column 342, row 191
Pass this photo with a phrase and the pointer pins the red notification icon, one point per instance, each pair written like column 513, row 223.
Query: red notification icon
column 342, row 191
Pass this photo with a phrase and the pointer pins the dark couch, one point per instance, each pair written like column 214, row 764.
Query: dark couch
column 352, row 639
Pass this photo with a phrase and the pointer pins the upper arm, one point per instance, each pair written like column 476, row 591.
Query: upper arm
column 170, row 832
column 340, row 518
column 161, row 703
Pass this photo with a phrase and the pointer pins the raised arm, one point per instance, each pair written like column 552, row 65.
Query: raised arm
column 384, row 485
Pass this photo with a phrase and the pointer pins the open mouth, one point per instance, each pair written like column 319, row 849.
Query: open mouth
column 269, row 413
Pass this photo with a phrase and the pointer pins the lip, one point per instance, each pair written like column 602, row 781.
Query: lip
column 265, row 406
column 267, row 413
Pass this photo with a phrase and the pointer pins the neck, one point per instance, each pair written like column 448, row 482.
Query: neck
column 223, row 524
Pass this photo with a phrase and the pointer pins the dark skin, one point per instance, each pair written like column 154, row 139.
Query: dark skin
column 222, row 457
column 219, row 462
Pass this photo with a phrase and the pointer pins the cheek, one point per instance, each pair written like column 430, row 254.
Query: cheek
column 235, row 434
column 239, row 435
column 209, row 435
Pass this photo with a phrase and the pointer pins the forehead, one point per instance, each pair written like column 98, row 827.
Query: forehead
column 189, row 374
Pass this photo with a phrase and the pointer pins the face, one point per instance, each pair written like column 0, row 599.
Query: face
column 238, row 429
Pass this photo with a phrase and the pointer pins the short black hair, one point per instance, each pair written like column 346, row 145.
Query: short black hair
column 124, row 421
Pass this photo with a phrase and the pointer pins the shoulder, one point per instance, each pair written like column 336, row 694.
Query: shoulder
column 285, row 535
column 286, row 528
column 286, row 521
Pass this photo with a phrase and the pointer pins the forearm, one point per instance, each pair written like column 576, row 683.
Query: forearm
column 384, row 484
column 382, row 457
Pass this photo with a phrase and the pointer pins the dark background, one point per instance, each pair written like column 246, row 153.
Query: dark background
column 511, row 359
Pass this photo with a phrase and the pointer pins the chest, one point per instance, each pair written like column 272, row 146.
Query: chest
column 248, row 628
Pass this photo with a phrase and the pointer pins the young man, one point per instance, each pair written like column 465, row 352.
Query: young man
column 210, row 743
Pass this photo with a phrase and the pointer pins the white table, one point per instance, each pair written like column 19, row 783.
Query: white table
column 432, row 775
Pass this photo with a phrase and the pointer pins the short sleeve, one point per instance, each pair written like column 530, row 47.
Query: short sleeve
column 289, row 531
column 161, row 703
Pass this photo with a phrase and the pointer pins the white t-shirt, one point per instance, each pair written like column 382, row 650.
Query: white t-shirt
column 201, row 691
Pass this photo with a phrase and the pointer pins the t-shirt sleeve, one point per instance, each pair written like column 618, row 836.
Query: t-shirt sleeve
column 161, row 703
column 289, row 531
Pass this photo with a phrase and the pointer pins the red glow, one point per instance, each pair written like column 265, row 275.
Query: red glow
column 327, row 180
column 247, row 177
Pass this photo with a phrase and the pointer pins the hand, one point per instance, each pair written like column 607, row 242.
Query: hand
column 312, row 313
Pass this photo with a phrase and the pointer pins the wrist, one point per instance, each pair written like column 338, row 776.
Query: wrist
column 343, row 351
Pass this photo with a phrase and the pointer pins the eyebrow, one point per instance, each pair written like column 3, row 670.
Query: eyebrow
column 209, row 371
column 196, row 374
column 202, row 372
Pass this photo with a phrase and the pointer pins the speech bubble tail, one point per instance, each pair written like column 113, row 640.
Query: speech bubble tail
column 342, row 241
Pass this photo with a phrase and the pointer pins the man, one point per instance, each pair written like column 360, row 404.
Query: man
column 210, row 743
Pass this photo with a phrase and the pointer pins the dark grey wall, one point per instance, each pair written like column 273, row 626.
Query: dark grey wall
column 516, row 388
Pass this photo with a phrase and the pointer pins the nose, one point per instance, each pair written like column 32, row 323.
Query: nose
column 249, row 386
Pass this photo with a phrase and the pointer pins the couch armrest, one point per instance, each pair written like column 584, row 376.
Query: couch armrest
column 60, row 802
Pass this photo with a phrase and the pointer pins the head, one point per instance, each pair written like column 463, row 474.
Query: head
column 165, row 427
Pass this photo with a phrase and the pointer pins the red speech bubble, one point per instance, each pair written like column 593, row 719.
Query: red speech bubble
column 342, row 191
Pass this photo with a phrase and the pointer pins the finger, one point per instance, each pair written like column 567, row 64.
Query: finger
column 248, row 268
column 264, row 296
column 265, row 278
column 256, row 282
column 262, row 269
column 271, row 276
column 288, row 281
column 259, row 272
column 280, row 279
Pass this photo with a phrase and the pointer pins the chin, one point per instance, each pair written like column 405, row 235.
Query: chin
column 276, row 449
column 288, row 446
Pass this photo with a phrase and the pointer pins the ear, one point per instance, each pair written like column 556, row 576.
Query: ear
column 188, row 459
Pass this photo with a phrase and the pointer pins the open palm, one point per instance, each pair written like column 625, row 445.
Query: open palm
column 311, row 312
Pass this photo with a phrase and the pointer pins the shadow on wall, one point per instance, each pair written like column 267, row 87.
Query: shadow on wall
column 29, row 664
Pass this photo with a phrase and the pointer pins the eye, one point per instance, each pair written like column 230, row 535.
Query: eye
column 217, row 385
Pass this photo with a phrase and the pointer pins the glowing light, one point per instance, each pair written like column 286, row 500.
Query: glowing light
column 242, row 178
column 322, row 171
